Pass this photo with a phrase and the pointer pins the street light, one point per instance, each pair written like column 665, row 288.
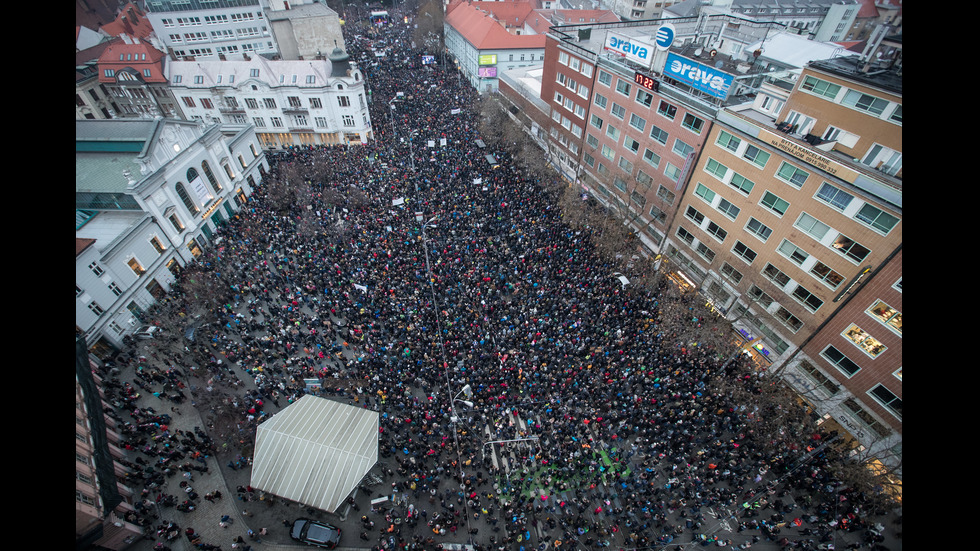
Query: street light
column 411, row 152
column 445, row 364
column 468, row 390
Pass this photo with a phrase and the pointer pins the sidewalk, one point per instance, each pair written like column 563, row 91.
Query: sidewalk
column 206, row 516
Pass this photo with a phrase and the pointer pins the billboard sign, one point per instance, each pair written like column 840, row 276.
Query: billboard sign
column 488, row 59
column 629, row 47
column 665, row 36
column 701, row 77
column 487, row 72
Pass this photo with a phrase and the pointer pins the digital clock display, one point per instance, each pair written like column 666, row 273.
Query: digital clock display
column 646, row 81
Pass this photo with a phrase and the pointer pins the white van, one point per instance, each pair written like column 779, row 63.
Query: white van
column 147, row 332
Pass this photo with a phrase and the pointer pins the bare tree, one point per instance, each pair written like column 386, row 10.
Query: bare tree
column 429, row 30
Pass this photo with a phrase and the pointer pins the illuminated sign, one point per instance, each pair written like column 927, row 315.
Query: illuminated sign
column 487, row 72
column 701, row 77
column 646, row 81
column 630, row 48
column 489, row 59
column 428, row 59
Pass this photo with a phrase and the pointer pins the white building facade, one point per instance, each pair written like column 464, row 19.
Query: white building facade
column 206, row 28
column 308, row 102
column 150, row 197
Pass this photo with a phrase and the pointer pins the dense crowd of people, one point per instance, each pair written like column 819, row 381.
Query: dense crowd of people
column 620, row 438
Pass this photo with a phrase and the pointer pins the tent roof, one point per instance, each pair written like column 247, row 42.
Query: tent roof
column 315, row 451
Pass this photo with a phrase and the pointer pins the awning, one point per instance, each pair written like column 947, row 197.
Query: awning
column 315, row 452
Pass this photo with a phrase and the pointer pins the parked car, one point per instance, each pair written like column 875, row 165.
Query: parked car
column 316, row 533
column 147, row 332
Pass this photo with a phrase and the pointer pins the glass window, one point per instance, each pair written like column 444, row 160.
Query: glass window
column 809, row 301
column 792, row 175
column 652, row 158
column 682, row 148
column 667, row 110
column 824, row 274
column 876, row 218
column 758, row 229
column 685, row 235
column 704, row 192
column 815, row 228
column 775, row 275
column 692, row 123
column 774, row 203
column 837, row 198
column 624, row 87
column 741, row 250
column 731, row 273
column 741, row 183
column 850, row 248
column 864, row 102
column 756, row 156
column 840, row 361
column 820, row 87
column 728, row 141
column 888, row 399
column 644, row 98
column 728, row 209
column 716, row 169
column 788, row 319
column 863, row 340
column 716, row 231
column 695, row 215
column 658, row 134
column 792, row 252
column 637, row 122
column 886, row 315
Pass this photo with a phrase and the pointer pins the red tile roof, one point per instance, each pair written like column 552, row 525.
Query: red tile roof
column 867, row 10
column 138, row 56
column 130, row 21
column 81, row 244
column 486, row 33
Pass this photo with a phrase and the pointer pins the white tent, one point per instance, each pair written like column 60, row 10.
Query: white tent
column 315, row 451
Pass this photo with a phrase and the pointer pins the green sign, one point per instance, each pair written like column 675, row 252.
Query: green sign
column 490, row 59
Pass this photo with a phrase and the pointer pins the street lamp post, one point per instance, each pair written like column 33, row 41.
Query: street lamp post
column 445, row 366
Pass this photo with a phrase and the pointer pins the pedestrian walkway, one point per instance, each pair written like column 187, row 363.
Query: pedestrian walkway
column 205, row 519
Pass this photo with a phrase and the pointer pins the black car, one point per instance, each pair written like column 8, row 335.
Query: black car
column 315, row 533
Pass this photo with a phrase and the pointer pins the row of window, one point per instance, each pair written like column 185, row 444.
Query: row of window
column 253, row 73
column 855, row 99
column 209, row 20
column 584, row 68
column 872, row 216
column 248, row 47
column 298, row 121
column 889, row 400
column 294, row 102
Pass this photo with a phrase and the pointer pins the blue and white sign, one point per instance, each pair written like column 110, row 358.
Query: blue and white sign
column 665, row 36
column 702, row 77
column 630, row 47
